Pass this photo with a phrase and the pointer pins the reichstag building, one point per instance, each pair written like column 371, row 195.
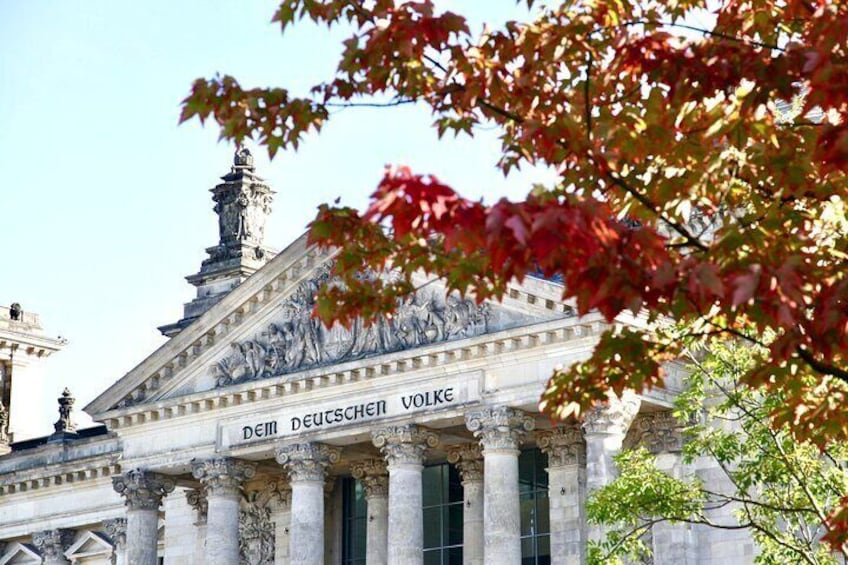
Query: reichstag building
column 255, row 435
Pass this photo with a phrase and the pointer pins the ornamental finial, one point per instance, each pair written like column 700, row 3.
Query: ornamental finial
column 243, row 158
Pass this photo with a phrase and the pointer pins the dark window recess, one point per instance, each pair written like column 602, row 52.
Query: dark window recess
column 355, row 522
column 442, row 515
column 535, row 514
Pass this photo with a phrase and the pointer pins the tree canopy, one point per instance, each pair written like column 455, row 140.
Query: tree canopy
column 701, row 175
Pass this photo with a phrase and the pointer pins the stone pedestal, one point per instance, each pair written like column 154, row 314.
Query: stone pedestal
column 500, row 431
column 404, row 448
column 307, row 465
column 221, row 477
column 52, row 545
column 566, row 492
column 468, row 458
column 374, row 476
column 116, row 529
column 142, row 491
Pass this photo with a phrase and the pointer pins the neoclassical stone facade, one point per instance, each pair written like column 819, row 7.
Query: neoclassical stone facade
column 255, row 435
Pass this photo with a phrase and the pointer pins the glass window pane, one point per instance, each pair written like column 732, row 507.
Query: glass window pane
column 433, row 527
column 432, row 485
column 543, row 514
column 541, row 464
column 543, row 547
column 455, row 492
column 528, row 550
column 526, row 475
column 527, row 506
column 453, row 524
column 454, row 556
column 433, row 557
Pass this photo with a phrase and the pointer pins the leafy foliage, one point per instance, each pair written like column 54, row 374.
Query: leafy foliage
column 734, row 208
column 780, row 489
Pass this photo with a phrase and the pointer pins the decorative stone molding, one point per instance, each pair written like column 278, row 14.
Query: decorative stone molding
column 658, row 432
column 563, row 445
column 141, row 489
column 116, row 529
column 51, row 544
column 198, row 501
column 257, row 537
column 90, row 470
column 374, row 476
column 222, row 475
column 307, row 461
column 468, row 458
column 614, row 417
column 404, row 444
column 500, row 428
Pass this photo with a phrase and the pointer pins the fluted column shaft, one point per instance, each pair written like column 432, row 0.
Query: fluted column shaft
column 306, row 464
column 374, row 476
column 566, row 453
column 143, row 492
column 222, row 477
column 404, row 448
column 500, row 431
column 468, row 458
column 604, row 429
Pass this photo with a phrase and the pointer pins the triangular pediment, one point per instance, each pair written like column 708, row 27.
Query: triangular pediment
column 264, row 329
column 19, row 553
column 89, row 544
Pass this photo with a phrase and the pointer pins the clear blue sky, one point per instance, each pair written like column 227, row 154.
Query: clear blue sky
column 104, row 202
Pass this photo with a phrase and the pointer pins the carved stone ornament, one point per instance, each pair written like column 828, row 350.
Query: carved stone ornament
column 197, row 499
column 658, row 432
column 256, row 529
column 51, row 544
column 374, row 477
column 307, row 461
column 66, row 405
column 468, row 458
column 613, row 418
column 563, row 445
column 243, row 203
column 222, row 475
column 298, row 341
column 499, row 428
column 143, row 490
column 4, row 424
column 404, row 444
column 116, row 529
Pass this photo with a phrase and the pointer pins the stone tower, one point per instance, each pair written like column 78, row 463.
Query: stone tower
column 23, row 347
column 242, row 203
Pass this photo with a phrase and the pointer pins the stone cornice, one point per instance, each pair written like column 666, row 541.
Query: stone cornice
column 482, row 350
column 55, row 475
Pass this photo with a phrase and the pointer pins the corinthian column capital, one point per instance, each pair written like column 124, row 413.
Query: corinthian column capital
column 499, row 429
column 307, row 461
column 52, row 544
column 404, row 444
column 143, row 490
column 563, row 445
column 116, row 529
column 374, row 476
column 468, row 458
column 658, row 432
column 222, row 474
column 614, row 417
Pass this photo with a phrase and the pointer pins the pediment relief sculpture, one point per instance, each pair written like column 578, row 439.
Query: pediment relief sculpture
column 297, row 341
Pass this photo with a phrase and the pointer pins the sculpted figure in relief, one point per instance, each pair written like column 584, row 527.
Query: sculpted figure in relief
column 298, row 341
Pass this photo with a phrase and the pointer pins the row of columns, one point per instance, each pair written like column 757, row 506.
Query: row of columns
column 580, row 459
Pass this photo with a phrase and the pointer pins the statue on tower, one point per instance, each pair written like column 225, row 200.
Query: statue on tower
column 65, row 426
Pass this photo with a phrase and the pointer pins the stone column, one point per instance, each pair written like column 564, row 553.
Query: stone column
column 404, row 448
column 52, row 545
column 468, row 458
column 222, row 478
column 662, row 434
column 307, row 464
column 604, row 429
column 566, row 453
column 500, row 431
column 116, row 529
column 142, row 491
column 375, row 479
